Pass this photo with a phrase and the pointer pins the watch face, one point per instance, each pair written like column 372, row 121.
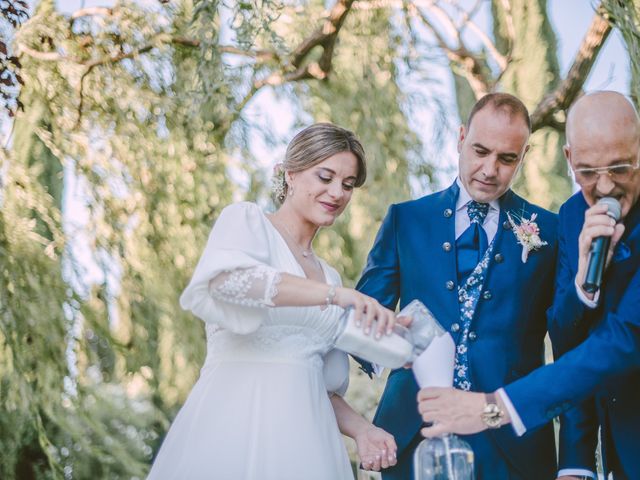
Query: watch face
column 492, row 415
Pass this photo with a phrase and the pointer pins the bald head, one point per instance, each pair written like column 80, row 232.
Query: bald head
column 601, row 115
column 603, row 134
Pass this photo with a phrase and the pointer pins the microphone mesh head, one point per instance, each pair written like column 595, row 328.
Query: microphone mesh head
column 614, row 207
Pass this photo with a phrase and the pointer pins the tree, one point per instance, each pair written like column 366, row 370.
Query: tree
column 144, row 110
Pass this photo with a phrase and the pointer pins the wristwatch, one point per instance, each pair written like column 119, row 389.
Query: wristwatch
column 492, row 415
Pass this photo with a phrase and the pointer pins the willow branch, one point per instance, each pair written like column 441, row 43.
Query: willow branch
column 569, row 89
column 324, row 36
column 102, row 61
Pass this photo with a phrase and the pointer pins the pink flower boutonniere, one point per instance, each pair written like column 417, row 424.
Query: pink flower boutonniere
column 527, row 232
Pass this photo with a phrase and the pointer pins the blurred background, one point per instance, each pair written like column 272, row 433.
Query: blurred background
column 125, row 127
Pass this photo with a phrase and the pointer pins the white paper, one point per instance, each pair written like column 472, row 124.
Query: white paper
column 434, row 366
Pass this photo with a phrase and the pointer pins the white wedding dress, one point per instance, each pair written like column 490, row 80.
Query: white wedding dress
column 260, row 409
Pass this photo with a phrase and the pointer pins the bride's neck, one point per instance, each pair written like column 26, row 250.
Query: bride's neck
column 301, row 230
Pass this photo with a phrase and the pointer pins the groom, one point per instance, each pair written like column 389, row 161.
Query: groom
column 457, row 251
column 603, row 131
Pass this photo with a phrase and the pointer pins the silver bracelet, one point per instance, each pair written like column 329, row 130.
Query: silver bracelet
column 331, row 295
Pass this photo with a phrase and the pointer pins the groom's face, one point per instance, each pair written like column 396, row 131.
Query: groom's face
column 491, row 152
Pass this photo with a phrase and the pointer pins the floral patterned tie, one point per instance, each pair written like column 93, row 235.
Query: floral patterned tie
column 477, row 211
column 471, row 247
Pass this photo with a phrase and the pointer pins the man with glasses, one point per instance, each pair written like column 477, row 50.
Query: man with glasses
column 602, row 150
column 602, row 330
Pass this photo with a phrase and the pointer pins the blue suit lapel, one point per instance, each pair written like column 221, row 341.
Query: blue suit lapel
column 506, row 245
column 620, row 272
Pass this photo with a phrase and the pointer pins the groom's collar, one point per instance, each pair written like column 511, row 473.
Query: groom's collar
column 464, row 198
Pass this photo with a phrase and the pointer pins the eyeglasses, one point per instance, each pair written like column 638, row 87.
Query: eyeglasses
column 617, row 173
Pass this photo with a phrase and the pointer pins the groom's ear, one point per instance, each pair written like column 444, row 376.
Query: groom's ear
column 462, row 134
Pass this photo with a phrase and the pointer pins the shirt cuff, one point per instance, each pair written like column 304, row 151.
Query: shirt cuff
column 577, row 472
column 516, row 421
column 583, row 298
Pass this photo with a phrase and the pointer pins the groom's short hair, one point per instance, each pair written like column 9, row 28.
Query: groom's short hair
column 504, row 102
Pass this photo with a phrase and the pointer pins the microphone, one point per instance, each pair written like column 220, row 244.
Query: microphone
column 599, row 249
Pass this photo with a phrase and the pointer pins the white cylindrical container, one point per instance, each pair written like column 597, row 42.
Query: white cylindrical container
column 391, row 351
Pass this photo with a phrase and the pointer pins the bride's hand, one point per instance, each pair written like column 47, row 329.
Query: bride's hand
column 366, row 311
column 376, row 448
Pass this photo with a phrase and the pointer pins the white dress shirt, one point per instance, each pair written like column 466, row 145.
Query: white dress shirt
column 490, row 224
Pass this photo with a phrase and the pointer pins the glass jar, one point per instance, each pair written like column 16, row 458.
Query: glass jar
column 443, row 458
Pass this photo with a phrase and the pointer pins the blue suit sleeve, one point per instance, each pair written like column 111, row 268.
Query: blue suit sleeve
column 578, row 437
column 381, row 276
column 611, row 349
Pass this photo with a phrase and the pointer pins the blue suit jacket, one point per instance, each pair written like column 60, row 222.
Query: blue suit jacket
column 414, row 257
column 614, row 408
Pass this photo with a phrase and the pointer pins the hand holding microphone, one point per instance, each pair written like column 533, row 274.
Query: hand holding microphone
column 598, row 238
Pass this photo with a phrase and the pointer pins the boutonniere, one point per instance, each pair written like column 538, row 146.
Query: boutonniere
column 527, row 232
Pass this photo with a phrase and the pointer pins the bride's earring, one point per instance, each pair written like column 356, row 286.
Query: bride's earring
column 290, row 190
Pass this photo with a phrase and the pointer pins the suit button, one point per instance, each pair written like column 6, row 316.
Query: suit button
column 506, row 225
column 473, row 336
column 487, row 295
column 455, row 327
column 450, row 284
column 448, row 212
column 499, row 258
column 614, row 400
column 446, row 246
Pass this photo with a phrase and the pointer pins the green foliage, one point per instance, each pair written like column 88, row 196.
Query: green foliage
column 534, row 71
column 363, row 94
column 625, row 15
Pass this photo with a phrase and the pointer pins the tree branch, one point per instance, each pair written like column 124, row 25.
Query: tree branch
column 325, row 36
column 92, row 11
column 102, row 61
column 569, row 89
column 472, row 68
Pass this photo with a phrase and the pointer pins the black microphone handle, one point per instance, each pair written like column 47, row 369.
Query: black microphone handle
column 595, row 267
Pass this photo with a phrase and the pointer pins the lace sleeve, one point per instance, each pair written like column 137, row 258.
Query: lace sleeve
column 250, row 287
column 235, row 272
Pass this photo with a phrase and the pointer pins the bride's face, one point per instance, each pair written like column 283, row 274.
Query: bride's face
column 322, row 192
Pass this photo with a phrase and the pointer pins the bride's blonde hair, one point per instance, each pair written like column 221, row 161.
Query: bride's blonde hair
column 314, row 145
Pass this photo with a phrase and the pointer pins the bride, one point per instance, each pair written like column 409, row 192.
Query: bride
column 268, row 404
